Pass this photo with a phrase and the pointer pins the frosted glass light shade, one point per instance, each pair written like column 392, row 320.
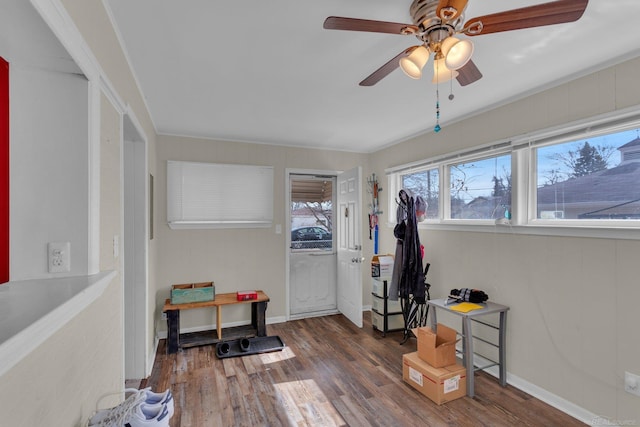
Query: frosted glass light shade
column 456, row 52
column 412, row 65
column 441, row 73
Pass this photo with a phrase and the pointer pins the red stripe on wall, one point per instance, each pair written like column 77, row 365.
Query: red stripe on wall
column 4, row 171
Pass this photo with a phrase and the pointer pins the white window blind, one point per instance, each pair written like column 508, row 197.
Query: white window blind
column 211, row 195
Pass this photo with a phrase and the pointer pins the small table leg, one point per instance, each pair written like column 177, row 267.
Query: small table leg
column 219, row 321
column 467, row 351
column 258, row 318
column 502, row 341
column 434, row 320
column 173, row 331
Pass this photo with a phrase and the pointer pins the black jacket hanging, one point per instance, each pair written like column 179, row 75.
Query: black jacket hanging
column 412, row 278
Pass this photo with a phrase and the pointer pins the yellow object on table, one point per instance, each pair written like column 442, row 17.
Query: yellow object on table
column 465, row 307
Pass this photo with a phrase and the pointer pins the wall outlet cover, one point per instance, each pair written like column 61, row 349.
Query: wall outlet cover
column 632, row 383
column 59, row 257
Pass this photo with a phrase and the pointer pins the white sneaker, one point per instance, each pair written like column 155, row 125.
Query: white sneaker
column 151, row 398
column 116, row 416
column 141, row 408
column 148, row 415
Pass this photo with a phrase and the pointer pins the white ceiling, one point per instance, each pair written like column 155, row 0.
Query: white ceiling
column 267, row 72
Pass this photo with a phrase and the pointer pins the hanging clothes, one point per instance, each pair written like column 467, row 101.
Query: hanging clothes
column 408, row 275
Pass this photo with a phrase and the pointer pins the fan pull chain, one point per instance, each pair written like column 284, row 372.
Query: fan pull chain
column 437, row 126
column 451, row 88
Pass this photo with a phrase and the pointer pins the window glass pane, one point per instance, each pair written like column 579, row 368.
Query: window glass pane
column 312, row 213
column 481, row 189
column 594, row 178
column 425, row 184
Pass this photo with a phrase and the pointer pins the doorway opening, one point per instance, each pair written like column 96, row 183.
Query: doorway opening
column 135, row 244
column 312, row 254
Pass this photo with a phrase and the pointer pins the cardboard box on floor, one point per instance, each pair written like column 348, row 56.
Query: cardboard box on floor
column 437, row 349
column 439, row 384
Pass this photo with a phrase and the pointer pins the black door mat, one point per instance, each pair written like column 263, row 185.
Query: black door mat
column 247, row 346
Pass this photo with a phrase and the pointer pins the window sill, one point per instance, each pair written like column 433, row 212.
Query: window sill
column 626, row 233
column 198, row 225
column 31, row 311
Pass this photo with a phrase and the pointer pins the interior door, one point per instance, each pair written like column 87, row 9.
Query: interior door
column 349, row 245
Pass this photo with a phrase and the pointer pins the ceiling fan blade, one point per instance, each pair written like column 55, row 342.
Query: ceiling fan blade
column 354, row 24
column 451, row 9
column 468, row 74
column 555, row 12
column 387, row 68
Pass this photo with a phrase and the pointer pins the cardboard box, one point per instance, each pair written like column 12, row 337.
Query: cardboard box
column 382, row 266
column 246, row 295
column 439, row 349
column 192, row 292
column 439, row 384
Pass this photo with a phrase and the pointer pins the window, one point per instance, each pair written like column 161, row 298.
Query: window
column 584, row 176
column 427, row 185
column 480, row 189
column 594, row 178
column 210, row 195
column 311, row 212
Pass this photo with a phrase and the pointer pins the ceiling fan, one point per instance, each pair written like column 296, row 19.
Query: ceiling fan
column 435, row 25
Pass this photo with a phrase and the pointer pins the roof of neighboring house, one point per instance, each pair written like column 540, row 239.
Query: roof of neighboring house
column 633, row 143
column 618, row 184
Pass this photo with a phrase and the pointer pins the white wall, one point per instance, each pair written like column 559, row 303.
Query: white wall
column 572, row 330
column 49, row 169
column 60, row 382
column 576, row 351
column 234, row 259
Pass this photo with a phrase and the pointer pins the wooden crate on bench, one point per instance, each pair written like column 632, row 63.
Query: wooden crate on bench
column 193, row 292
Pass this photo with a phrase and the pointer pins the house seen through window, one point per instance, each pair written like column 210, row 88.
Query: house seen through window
column 481, row 189
column 596, row 178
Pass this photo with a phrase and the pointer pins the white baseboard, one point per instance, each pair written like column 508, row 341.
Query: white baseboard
column 313, row 314
column 539, row 393
column 152, row 357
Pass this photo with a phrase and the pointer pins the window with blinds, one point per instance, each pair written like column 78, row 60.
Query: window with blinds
column 212, row 195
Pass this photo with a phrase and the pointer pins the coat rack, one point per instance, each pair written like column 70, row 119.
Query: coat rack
column 409, row 279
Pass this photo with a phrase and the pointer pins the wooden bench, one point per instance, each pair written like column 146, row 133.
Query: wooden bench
column 176, row 340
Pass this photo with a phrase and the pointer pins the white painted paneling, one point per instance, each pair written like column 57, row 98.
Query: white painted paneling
column 49, row 171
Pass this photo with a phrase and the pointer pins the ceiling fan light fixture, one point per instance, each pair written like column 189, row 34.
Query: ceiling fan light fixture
column 413, row 63
column 441, row 73
column 456, row 52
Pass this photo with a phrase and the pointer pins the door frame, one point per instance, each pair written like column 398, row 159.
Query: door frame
column 287, row 226
column 135, row 249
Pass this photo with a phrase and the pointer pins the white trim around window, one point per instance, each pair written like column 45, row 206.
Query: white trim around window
column 522, row 149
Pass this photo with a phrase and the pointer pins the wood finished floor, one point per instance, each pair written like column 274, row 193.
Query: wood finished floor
column 329, row 374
